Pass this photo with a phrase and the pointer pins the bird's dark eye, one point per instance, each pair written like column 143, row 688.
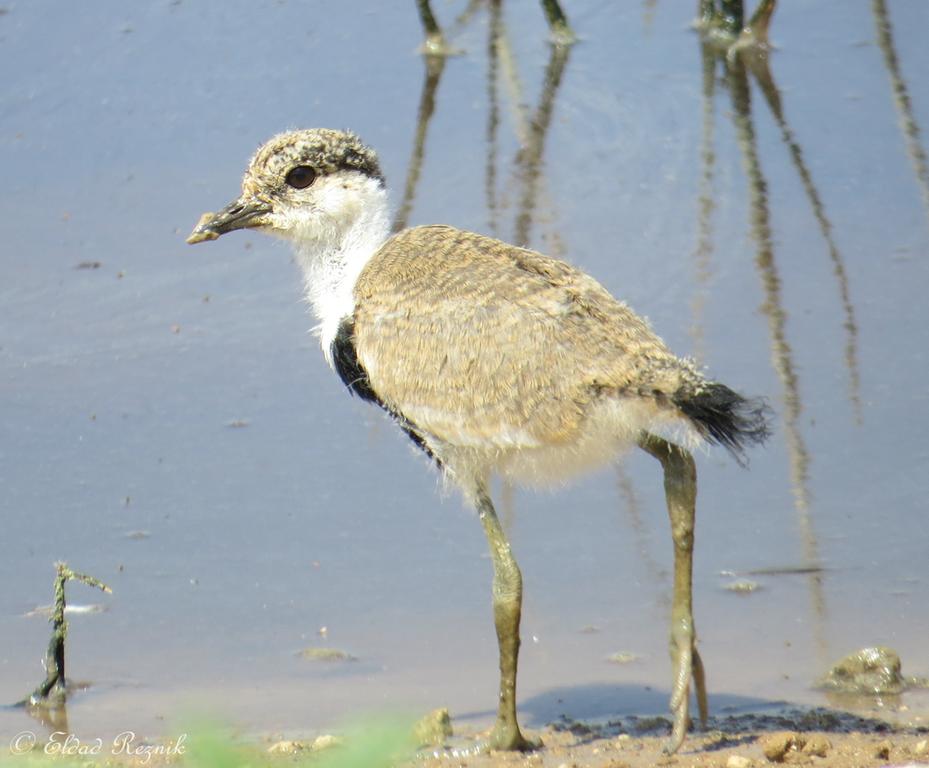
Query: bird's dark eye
column 300, row 177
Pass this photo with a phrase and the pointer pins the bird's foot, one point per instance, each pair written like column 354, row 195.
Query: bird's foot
column 507, row 737
column 687, row 666
column 501, row 739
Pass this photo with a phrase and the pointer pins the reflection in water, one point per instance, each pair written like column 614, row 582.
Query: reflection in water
column 732, row 14
column 504, row 65
column 902, row 98
column 657, row 574
column 737, row 78
column 648, row 14
column 706, row 204
column 561, row 33
column 435, row 65
column 514, row 88
column 493, row 114
column 529, row 159
column 726, row 26
column 435, row 50
column 758, row 64
column 761, row 19
column 531, row 129
column 435, row 40
column 52, row 718
column 464, row 18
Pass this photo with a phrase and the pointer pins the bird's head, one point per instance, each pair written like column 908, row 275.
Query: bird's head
column 310, row 186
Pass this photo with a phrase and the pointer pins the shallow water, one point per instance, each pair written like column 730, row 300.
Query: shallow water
column 170, row 427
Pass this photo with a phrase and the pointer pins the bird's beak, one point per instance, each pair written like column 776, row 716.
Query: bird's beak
column 243, row 213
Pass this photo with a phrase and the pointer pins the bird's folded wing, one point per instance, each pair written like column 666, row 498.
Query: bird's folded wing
column 481, row 343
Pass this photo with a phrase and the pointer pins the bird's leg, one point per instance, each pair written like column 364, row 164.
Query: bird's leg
column 680, row 484
column 507, row 599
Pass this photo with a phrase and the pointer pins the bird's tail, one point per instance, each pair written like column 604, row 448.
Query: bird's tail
column 725, row 417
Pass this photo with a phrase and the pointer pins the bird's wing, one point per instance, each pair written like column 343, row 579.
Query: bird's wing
column 481, row 343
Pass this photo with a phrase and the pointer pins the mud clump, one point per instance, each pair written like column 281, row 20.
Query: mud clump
column 776, row 746
column 434, row 729
column 871, row 671
column 793, row 747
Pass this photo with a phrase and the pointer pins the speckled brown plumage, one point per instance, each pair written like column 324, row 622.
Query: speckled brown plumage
column 477, row 341
column 329, row 151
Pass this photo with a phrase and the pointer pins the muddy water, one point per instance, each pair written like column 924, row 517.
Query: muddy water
column 169, row 425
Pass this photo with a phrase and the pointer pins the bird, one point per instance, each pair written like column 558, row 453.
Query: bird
column 495, row 360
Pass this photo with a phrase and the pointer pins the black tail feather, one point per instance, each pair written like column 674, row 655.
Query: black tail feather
column 725, row 417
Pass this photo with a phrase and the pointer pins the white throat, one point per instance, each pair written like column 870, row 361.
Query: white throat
column 353, row 225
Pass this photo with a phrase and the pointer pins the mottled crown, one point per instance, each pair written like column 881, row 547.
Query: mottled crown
column 324, row 149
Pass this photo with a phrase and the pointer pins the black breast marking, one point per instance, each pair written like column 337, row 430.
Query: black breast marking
column 355, row 377
column 347, row 365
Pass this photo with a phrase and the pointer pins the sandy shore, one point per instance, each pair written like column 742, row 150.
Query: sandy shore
column 817, row 737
